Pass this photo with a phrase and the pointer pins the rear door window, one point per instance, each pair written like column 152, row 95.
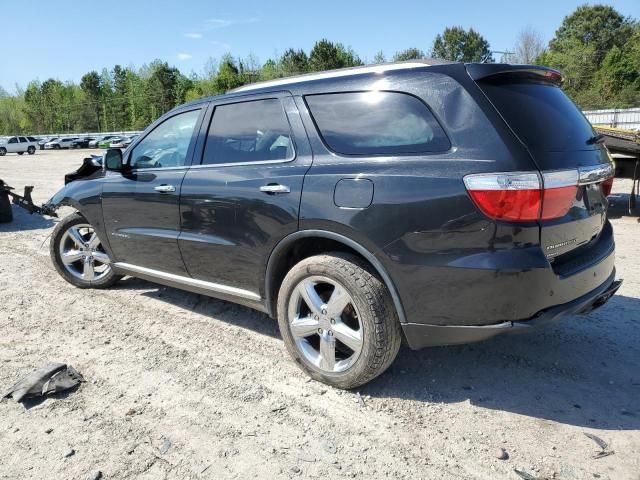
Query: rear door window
column 376, row 123
column 254, row 131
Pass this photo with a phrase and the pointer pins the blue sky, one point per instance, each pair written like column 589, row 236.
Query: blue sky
column 64, row 39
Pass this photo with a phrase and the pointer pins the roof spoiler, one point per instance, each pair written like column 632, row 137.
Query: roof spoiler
column 480, row 71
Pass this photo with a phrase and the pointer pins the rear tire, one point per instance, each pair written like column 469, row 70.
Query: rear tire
column 31, row 150
column 73, row 238
column 363, row 337
column 6, row 213
column 20, row 153
column 3, row 151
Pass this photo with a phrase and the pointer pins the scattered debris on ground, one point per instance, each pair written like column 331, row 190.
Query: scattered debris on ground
column 604, row 446
column 48, row 380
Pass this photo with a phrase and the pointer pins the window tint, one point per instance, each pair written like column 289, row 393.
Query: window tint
column 544, row 118
column 13, row 140
column 248, row 132
column 371, row 123
column 32, row 139
column 23, row 140
column 167, row 144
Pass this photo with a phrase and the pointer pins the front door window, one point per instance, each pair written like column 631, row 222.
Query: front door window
column 167, row 145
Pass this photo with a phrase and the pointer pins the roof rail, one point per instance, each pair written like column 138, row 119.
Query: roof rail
column 342, row 72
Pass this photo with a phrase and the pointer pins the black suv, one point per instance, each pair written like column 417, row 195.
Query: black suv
column 438, row 203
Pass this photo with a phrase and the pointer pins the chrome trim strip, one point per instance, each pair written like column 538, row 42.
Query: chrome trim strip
column 560, row 178
column 330, row 74
column 158, row 169
column 242, row 164
column 213, row 287
column 595, row 174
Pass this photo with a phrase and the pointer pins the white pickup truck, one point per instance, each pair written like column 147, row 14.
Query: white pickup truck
column 18, row 145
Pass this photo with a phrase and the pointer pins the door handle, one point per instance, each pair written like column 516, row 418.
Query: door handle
column 165, row 188
column 275, row 188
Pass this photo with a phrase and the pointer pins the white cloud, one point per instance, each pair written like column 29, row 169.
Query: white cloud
column 215, row 23
column 184, row 56
column 193, row 35
column 220, row 45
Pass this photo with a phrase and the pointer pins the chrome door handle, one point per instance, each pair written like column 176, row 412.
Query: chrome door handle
column 165, row 188
column 274, row 188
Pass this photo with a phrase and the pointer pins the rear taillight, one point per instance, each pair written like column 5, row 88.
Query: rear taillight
column 523, row 196
column 506, row 196
column 607, row 185
column 560, row 190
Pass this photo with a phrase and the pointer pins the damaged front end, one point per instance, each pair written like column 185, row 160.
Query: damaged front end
column 8, row 196
column 91, row 168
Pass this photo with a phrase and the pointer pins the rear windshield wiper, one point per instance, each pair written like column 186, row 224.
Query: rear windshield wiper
column 599, row 138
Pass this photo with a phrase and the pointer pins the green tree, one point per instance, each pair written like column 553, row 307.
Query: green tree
column 600, row 27
column 618, row 79
column 293, row 62
column 269, row 70
column 408, row 54
column 327, row 55
column 90, row 85
column 460, row 45
column 379, row 57
column 228, row 76
column 597, row 51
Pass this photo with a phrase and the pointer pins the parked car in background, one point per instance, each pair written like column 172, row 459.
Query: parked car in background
column 60, row 143
column 18, row 145
column 94, row 143
column 439, row 208
column 106, row 143
column 82, row 142
column 131, row 139
column 43, row 141
column 123, row 142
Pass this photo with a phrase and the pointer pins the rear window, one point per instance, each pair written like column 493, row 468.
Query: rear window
column 376, row 123
column 540, row 114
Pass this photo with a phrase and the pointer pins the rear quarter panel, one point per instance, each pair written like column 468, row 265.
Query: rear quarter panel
column 421, row 224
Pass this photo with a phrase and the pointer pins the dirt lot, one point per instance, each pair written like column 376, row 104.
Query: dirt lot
column 183, row 386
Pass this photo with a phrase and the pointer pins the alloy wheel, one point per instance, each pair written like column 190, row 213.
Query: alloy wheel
column 82, row 254
column 325, row 324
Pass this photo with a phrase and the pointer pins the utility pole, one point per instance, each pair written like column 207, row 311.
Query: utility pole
column 505, row 57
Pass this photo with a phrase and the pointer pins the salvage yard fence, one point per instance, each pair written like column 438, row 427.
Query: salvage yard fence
column 627, row 119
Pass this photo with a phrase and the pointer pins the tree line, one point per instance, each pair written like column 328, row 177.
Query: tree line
column 596, row 48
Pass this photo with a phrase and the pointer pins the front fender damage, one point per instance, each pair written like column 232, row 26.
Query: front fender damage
column 68, row 195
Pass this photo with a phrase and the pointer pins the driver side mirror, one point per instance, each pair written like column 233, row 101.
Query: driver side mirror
column 113, row 160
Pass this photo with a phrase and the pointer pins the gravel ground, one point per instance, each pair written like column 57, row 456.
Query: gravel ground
column 183, row 386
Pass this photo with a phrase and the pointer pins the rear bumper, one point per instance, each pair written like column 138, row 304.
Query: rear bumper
column 422, row 335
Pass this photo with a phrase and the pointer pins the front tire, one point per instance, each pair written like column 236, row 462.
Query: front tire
column 337, row 320
column 20, row 153
column 3, row 151
column 78, row 255
column 31, row 150
column 6, row 214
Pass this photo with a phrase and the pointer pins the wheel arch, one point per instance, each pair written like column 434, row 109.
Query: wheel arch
column 278, row 263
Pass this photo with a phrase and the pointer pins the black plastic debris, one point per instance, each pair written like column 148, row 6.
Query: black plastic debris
column 50, row 379
column 604, row 446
